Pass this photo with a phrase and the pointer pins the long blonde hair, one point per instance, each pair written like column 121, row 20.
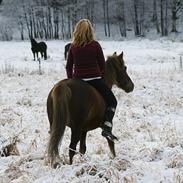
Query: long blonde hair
column 83, row 33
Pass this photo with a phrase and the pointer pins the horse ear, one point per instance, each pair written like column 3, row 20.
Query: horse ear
column 114, row 54
column 121, row 55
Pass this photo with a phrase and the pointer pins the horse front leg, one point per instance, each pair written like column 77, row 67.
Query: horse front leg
column 82, row 148
column 75, row 136
column 111, row 147
column 34, row 55
column 37, row 55
column 42, row 54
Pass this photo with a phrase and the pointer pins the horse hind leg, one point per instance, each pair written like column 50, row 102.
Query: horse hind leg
column 75, row 136
column 42, row 54
column 45, row 55
column 82, row 149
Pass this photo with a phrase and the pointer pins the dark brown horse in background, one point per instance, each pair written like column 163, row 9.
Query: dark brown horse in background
column 39, row 47
column 66, row 49
column 75, row 103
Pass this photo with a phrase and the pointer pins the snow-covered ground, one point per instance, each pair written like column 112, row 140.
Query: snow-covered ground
column 148, row 121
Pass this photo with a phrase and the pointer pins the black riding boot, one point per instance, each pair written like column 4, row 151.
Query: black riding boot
column 107, row 127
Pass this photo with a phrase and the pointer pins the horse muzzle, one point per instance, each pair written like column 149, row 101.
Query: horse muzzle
column 129, row 87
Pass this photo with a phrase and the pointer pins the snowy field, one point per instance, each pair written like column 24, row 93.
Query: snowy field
column 148, row 121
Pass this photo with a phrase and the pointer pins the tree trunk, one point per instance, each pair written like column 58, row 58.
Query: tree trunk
column 104, row 10
column 142, row 19
column 108, row 23
column 177, row 5
column 26, row 20
column 21, row 28
column 56, row 23
column 166, row 18
column 121, row 19
column 62, row 24
column 69, row 23
column 137, row 29
column 155, row 16
column 92, row 11
column 162, row 18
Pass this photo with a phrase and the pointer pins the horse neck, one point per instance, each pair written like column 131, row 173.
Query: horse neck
column 109, row 75
column 34, row 42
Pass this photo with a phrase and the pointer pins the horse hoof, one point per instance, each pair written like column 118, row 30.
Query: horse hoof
column 56, row 165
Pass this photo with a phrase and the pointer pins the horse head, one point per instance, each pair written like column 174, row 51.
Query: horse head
column 116, row 73
column 33, row 41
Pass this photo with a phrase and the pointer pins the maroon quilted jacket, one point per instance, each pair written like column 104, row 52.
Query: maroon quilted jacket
column 85, row 61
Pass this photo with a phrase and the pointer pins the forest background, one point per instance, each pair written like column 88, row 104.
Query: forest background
column 55, row 19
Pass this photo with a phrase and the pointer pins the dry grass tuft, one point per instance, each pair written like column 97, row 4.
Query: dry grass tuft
column 88, row 169
column 129, row 179
column 10, row 148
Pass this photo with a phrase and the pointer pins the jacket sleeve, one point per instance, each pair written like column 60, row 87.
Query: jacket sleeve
column 100, row 58
column 69, row 65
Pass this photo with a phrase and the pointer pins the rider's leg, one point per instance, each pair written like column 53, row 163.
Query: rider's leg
column 111, row 104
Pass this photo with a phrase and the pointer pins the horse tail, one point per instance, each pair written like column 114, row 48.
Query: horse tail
column 45, row 55
column 45, row 52
column 61, row 95
column 50, row 109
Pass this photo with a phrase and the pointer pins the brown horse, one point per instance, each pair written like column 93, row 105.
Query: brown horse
column 74, row 103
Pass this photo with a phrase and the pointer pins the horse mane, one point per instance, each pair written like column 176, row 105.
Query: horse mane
column 33, row 41
column 115, row 59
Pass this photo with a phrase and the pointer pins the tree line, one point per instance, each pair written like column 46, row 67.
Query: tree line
column 55, row 19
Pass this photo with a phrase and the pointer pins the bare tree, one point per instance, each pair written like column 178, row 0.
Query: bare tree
column 21, row 27
column 155, row 16
column 164, row 17
column 176, row 7
column 136, row 18
column 106, row 18
column 142, row 18
column 105, row 25
column 107, row 13
column 120, row 16
column 55, row 19
column 89, row 5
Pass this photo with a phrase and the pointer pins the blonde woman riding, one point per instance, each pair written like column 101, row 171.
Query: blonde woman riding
column 86, row 61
